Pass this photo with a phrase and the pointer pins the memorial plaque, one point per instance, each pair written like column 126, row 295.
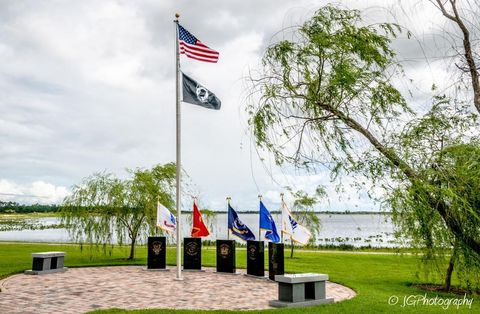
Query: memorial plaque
column 255, row 258
column 276, row 264
column 157, row 253
column 226, row 256
column 192, row 253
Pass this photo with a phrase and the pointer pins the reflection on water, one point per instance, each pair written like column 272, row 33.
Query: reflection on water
column 358, row 230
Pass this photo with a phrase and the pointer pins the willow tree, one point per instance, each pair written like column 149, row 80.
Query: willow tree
column 450, row 160
column 326, row 97
column 104, row 207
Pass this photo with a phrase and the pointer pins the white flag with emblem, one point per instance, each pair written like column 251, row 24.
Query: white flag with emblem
column 165, row 219
column 290, row 226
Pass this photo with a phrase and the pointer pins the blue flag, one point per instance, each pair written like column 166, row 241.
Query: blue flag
column 267, row 223
column 237, row 227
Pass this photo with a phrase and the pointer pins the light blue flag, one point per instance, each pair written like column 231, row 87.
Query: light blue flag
column 267, row 223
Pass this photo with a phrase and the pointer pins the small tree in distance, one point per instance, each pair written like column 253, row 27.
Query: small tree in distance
column 104, row 207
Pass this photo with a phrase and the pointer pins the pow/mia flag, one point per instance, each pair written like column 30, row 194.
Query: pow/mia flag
column 196, row 94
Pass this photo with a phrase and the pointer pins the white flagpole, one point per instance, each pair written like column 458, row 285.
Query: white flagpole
column 178, row 162
column 259, row 230
column 281, row 220
column 228, row 210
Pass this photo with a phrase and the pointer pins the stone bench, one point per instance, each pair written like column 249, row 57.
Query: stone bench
column 47, row 262
column 295, row 290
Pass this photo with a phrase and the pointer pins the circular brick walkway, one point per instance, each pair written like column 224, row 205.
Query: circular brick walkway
column 80, row 290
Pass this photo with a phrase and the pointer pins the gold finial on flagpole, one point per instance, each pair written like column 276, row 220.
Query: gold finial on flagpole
column 229, row 199
column 260, row 196
column 177, row 15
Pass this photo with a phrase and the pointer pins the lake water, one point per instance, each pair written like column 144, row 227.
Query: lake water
column 357, row 230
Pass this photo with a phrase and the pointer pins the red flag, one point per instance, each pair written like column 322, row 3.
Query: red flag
column 199, row 229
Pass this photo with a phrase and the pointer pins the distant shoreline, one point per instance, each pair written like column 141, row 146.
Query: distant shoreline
column 320, row 212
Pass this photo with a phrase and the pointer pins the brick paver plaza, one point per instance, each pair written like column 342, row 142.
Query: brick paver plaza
column 80, row 290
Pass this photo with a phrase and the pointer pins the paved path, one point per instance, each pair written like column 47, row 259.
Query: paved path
column 80, row 290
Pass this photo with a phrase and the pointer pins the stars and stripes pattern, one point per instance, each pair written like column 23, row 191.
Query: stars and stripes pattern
column 194, row 48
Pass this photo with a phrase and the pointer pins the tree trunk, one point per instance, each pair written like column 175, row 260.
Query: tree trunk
column 448, row 277
column 133, row 233
column 291, row 248
column 451, row 265
column 132, row 249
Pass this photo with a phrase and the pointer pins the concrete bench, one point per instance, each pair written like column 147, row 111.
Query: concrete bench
column 47, row 262
column 296, row 290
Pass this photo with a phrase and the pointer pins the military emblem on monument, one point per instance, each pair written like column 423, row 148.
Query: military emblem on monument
column 224, row 250
column 192, row 249
column 252, row 252
column 157, row 247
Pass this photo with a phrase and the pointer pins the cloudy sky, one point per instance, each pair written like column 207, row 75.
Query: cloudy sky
column 87, row 86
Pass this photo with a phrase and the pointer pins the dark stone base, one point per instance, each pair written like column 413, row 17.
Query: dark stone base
column 255, row 258
column 156, row 269
column 156, row 253
column 223, row 273
column 43, row 272
column 276, row 303
column 192, row 253
column 193, row 270
column 256, row 276
column 275, row 260
column 226, row 256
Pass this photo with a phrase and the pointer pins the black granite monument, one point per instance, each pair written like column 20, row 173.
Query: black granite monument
column 157, row 249
column 226, row 256
column 192, row 253
column 275, row 260
column 255, row 258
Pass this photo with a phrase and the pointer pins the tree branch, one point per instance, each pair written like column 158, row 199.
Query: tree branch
column 467, row 46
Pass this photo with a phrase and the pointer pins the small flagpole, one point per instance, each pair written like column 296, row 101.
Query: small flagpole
column 259, row 229
column 178, row 162
column 156, row 222
column 193, row 214
column 228, row 230
column 281, row 220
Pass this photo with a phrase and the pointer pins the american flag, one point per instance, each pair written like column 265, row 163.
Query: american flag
column 194, row 48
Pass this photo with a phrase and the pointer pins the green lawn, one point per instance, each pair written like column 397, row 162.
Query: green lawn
column 375, row 277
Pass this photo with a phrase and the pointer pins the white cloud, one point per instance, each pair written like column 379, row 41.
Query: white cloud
column 37, row 192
